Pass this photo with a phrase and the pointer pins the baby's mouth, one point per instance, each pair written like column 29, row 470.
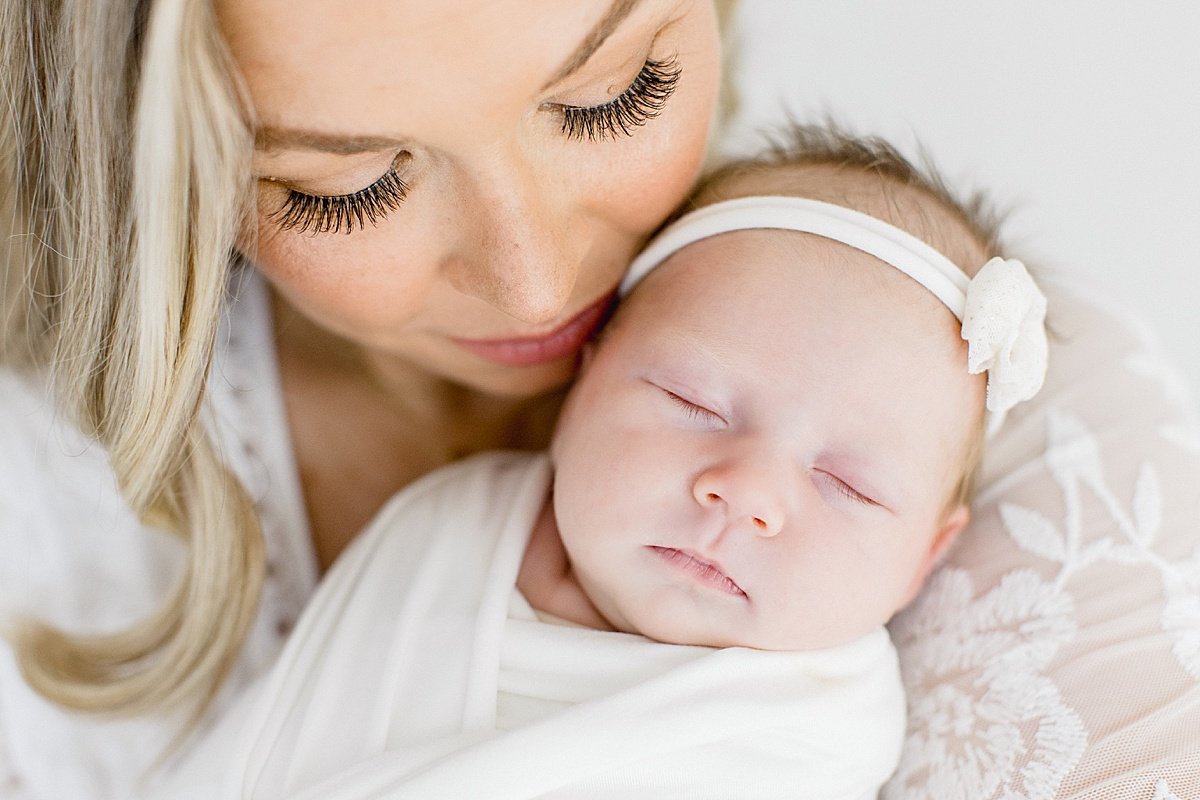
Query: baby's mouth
column 706, row 572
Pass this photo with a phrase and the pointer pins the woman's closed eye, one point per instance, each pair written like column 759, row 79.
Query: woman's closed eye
column 317, row 213
column 641, row 101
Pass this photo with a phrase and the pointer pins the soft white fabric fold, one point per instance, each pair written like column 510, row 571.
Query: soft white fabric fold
column 389, row 686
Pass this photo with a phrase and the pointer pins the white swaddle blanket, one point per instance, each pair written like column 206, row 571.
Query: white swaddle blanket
column 409, row 677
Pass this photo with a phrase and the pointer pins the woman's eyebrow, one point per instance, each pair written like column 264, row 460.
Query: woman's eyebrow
column 617, row 13
column 268, row 139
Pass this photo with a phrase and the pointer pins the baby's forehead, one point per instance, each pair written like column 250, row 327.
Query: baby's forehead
column 801, row 281
column 907, row 206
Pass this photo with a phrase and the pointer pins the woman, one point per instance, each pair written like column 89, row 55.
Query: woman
column 438, row 244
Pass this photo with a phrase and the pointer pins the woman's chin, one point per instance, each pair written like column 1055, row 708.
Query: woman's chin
column 525, row 382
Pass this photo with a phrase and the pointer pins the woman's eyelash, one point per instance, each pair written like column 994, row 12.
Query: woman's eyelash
column 341, row 212
column 643, row 100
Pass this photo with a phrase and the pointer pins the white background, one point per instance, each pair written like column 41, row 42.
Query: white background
column 1081, row 117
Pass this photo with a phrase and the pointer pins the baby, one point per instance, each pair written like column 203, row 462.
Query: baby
column 786, row 419
column 765, row 454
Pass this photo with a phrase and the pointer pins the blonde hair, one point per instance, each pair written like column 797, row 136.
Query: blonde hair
column 123, row 177
column 123, row 162
column 728, row 102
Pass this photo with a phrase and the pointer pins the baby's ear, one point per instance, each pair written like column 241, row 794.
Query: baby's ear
column 952, row 524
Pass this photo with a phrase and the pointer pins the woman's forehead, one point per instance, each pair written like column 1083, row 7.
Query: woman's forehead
column 393, row 63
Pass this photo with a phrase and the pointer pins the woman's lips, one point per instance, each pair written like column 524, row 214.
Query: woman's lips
column 552, row 345
column 704, row 571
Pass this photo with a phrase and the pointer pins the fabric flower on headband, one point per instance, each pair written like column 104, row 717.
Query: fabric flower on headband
column 1004, row 326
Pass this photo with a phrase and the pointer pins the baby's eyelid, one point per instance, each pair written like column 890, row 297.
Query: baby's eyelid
column 694, row 408
column 847, row 490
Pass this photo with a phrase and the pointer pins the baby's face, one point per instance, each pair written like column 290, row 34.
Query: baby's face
column 761, row 450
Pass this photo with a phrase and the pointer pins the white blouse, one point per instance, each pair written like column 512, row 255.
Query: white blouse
column 71, row 553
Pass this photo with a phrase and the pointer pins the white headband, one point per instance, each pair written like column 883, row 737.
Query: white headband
column 1001, row 309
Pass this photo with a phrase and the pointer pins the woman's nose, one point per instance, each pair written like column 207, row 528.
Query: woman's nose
column 521, row 252
column 746, row 493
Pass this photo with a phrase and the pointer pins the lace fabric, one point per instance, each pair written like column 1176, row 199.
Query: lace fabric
column 1056, row 652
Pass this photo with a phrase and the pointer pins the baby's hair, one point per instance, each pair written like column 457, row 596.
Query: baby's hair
column 794, row 147
column 832, row 145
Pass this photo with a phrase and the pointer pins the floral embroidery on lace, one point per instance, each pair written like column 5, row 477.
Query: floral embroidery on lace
column 1184, row 429
column 1010, row 734
column 1074, row 461
column 984, row 719
column 1163, row 792
column 1181, row 612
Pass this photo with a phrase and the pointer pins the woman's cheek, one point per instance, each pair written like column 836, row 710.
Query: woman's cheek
column 659, row 178
column 645, row 177
column 348, row 283
column 674, row 150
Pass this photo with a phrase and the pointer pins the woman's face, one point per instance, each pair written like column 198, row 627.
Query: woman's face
column 461, row 183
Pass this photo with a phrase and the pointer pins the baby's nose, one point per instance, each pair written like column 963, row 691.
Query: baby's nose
column 743, row 498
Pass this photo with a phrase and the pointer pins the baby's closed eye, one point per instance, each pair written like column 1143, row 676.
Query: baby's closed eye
column 842, row 489
column 694, row 410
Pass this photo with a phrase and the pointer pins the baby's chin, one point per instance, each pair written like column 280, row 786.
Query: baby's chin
column 671, row 631
column 674, row 617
